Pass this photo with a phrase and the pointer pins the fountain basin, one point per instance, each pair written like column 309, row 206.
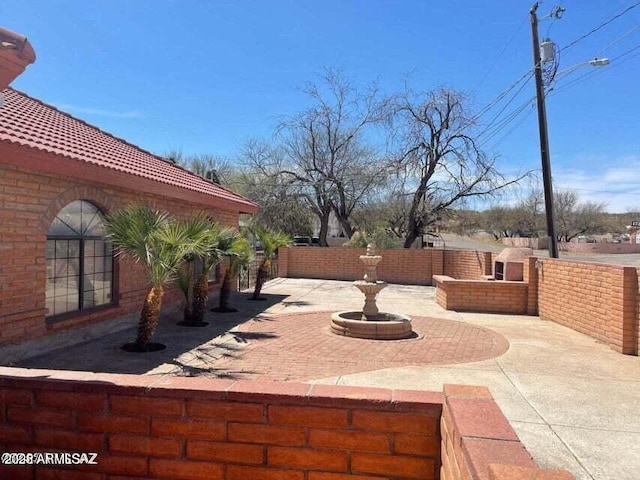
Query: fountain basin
column 370, row 288
column 385, row 326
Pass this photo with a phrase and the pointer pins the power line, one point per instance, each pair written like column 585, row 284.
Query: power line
column 504, row 123
column 492, row 124
column 617, row 40
column 502, row 95
column 615, row 61
column 615, row 192
column 602, row 25
column 563, row 73
column 551, row 24
column 504, row 49
column 515, row 126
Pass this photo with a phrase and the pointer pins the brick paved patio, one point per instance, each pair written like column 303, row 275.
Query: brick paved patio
column 567, row 395
column 300, row 347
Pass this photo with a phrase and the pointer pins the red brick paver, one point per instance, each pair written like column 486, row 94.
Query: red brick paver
column 301, row 347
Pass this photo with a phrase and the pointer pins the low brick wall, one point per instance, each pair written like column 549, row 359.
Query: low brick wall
column 404, row 266
column 481, row 295
column 603, row 248
column 599, row 300
column 535, row 243
column 637, row 329
column 467, row 265
column 192, row 428
column 479, row 444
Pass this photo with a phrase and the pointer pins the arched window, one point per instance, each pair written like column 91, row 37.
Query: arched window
column 79, row 260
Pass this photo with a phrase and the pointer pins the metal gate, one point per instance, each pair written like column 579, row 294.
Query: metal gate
column 247, row 276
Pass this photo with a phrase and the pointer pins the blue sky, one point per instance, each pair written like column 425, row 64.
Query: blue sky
column 203, row 76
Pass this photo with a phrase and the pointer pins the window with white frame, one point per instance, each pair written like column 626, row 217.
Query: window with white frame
column 79, row 260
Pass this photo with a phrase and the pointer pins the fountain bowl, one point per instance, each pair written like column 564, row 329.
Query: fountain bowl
column 385, row 326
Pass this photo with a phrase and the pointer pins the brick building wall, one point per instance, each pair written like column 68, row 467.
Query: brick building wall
column 28, row 203
column 596, row 299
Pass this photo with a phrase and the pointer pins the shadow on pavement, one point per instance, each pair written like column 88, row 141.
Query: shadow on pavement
column 190, row 351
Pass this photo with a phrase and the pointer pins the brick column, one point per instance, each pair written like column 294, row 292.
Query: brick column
column 437, row 263
column 630, row 325
column 479, row 443
column 530, row 276
column 283, row 262
column 488, row 263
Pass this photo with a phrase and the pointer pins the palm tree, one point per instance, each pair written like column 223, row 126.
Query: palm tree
column 271, row 241
column 156, row 241
column 211, row 257
column 240, row 254
column 200, row 230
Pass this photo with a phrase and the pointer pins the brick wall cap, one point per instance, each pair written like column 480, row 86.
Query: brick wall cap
column 216, row 389
column 480, row 453
column 466, row 391
column 266, row 391
column 480, row 418
column 512, row 472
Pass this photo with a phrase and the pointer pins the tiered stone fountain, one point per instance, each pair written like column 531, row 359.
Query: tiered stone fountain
column 370, row 322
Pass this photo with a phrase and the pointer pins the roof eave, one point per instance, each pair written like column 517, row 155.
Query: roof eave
column 13, row 155
column 16, row 53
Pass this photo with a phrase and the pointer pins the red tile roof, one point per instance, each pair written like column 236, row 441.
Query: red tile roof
column 32, row 123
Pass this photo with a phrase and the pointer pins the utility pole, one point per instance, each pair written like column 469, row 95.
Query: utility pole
column 544, row 137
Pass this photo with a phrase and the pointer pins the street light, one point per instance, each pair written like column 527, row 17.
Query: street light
column 595, row 62
column 542, row 54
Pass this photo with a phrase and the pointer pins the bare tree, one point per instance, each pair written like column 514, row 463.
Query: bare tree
column 279, row 209
column 215, row 168
column 530, row 212
column 284, row 205
column 500, row 221
column 323, row 154
column 439, row 160
column 175, row 156
column 574, row 218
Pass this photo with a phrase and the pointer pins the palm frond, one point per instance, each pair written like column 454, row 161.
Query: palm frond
column 130, row 231
column 271, row 240
column 243, row 254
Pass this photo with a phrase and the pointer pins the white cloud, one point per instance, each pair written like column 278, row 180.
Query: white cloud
column 614, row 180
column 616, row 186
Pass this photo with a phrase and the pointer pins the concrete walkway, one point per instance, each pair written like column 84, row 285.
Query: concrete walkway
column 574, row 402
